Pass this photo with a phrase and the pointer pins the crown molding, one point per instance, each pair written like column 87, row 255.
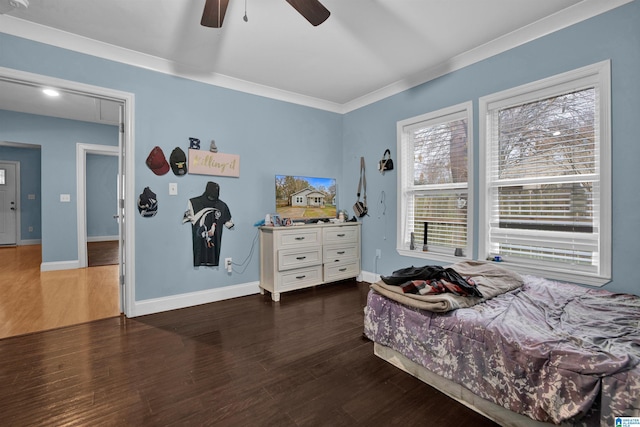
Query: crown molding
column 550, row 24
column 567, row 17
column 65, row 40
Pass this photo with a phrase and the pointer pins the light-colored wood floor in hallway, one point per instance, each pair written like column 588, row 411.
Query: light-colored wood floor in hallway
column 31, row 300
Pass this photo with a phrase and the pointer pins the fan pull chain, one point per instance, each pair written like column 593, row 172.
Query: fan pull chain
column 245, row 17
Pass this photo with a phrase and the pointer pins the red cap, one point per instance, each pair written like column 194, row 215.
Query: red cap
column 157, row 162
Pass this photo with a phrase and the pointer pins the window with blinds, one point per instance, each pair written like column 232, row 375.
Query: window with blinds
column 434, row 153
column 545, row 175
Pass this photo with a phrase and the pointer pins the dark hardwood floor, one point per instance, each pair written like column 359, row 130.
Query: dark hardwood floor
column 102, row 253
column 241, row 362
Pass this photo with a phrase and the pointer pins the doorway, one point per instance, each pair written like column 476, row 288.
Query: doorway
column 101, row 201
column 84, row 199
column 125, row 149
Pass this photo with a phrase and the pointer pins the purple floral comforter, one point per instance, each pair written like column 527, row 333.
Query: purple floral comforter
column 548, row 350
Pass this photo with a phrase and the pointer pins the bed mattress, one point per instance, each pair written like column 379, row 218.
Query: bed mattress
column 552, row 351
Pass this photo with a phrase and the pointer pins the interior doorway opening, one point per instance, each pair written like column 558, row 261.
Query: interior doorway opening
column 22, row 83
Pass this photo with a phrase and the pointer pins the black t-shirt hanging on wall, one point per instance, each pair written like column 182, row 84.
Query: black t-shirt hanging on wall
column 207, row 214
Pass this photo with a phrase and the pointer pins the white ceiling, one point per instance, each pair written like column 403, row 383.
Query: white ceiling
column 366, row 50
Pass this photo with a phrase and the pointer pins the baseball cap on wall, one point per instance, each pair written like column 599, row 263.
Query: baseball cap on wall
column 178, row 161
column 157, row 162
column 147, row 203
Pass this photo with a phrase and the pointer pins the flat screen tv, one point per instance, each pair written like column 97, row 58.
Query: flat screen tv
column 305, row 198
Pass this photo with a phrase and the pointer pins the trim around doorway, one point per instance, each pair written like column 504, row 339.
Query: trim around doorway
column 81, row 194
column 128, row 166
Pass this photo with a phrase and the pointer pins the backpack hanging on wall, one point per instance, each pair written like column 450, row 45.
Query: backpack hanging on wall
column 360, row 207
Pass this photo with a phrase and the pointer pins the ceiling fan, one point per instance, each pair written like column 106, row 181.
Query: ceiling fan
column 312, row 10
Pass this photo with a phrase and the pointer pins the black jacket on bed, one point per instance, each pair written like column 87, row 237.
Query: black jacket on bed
column 433, row 272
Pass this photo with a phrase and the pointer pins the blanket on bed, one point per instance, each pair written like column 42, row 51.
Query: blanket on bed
column 553, row 351
column 490, row 279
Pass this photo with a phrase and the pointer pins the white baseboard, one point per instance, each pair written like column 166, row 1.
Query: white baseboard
column 157, row 305
column 59, row 265
column 101, row 238
column 367, row 276
column 29, row 242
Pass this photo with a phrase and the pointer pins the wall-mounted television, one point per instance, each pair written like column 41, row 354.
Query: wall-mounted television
column 305, row 198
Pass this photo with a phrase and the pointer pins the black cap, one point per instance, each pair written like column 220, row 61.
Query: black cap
column 178, row 161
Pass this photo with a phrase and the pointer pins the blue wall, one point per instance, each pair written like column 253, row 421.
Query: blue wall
column 29, row 159
column 271, row 137
column 57, row 139
column 614, row 35
column 274, row 137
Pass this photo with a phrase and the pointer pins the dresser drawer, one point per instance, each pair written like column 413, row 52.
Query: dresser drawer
column 307, row 255
column 341, row 271
column 299, row 237
column 299, row 257
column 334, row 235
column 339, row 253
column 301, row 278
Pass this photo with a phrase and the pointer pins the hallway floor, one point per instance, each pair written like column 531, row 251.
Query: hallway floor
column 31, row 300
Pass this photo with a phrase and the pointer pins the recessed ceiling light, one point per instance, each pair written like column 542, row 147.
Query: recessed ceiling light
column 51, row 92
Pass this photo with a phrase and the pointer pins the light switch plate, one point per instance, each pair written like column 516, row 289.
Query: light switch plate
column 173, row 188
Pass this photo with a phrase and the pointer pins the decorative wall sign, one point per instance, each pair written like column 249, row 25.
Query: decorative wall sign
column 203, row 162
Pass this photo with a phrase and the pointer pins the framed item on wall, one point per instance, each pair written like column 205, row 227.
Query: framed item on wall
column 203, row 162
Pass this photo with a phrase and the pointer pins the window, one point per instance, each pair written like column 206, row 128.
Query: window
column 545, row 176
column 434, row 203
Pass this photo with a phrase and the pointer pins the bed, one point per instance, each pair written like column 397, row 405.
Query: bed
column 528, row 351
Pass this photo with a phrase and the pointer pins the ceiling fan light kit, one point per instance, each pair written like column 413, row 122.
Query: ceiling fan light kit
column 214, row 10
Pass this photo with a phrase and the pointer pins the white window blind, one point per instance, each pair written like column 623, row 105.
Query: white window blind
column 545, row 177
column 434, row 171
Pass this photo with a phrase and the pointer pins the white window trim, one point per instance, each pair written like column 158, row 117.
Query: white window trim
column 467, row 108
column 598, row 74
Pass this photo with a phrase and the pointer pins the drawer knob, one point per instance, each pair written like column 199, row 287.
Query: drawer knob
column 301, row 277
column 341, row 235
column 299, row 238
column 300, row 258
column 343, row 269
column 340, row 252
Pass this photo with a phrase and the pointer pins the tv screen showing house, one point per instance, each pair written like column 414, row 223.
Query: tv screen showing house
column 304, row 198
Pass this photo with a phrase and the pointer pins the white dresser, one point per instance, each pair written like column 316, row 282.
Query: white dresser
column 307, row 255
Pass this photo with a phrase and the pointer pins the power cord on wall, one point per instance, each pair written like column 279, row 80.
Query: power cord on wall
column 383, row 202
column 244, row 264
column 382, row 213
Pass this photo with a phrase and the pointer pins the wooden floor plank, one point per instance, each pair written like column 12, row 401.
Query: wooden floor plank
column 245, row 361
column 31, row 300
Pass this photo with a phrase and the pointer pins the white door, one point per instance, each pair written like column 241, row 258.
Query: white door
column 120, row 209
column 8, row 204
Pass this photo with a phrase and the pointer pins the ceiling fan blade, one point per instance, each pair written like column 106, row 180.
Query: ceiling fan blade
column 213, row 14
column 312, row 10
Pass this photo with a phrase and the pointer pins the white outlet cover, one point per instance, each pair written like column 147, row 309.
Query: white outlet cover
column 173, row 188
column 65, row 197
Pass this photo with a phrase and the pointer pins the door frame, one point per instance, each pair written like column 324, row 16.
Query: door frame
column 81, row 192
column 18, row 204
column 126, row 150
